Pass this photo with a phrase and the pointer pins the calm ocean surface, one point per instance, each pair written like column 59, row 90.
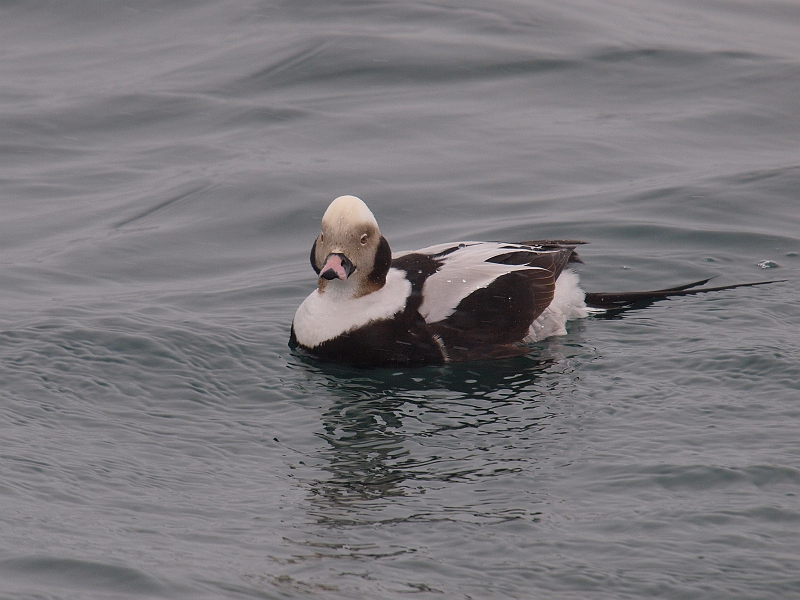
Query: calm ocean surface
column 163, row 170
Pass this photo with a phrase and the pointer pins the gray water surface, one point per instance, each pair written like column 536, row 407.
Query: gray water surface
column 163, row 170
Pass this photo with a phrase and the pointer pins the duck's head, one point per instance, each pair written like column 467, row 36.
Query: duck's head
column 350, row 253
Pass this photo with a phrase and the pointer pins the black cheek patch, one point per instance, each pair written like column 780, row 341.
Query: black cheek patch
column 313, row 258
column 383, row 260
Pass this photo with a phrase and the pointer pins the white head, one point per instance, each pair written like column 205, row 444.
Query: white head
column 350, row 253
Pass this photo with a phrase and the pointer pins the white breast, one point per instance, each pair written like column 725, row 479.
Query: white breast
column 322, row 317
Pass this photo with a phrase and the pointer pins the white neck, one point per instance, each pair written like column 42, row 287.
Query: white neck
column 323, row 316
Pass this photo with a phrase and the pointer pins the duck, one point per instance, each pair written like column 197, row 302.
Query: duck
column 452, row 302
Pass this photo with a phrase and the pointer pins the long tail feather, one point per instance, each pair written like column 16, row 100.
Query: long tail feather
column 622, row 300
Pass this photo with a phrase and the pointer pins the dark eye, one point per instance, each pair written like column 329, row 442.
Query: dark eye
column 363, row 239
column 321, row 237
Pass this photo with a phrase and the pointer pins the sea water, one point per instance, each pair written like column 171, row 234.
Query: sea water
column 164, row 167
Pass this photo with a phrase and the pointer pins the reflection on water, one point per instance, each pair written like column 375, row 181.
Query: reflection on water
column 426, row 458
column 395, row 433
column 164, row 170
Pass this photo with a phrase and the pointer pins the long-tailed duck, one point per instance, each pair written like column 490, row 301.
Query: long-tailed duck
column 450, row 302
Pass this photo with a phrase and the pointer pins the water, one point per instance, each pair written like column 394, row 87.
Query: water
column 164, row 169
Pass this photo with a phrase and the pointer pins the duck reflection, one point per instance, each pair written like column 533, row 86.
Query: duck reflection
column 386, row 427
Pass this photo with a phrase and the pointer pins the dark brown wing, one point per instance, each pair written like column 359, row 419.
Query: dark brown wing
column 502, row 312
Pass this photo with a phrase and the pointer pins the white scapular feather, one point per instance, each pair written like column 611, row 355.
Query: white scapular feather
column 464, row 271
